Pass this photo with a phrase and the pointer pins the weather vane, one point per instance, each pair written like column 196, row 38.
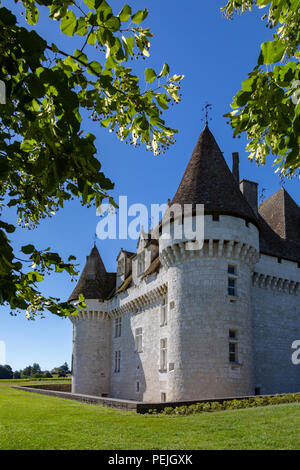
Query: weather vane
column 207, row 108
column 282, row 180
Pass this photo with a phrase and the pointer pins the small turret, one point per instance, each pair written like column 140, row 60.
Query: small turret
column 91, row 329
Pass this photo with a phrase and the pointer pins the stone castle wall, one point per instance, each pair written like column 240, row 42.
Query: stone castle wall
column 91, row 350
column 276, row 324
column 264, row 314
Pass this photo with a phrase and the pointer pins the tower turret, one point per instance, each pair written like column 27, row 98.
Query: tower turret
column 210, row 347
column 91, row 329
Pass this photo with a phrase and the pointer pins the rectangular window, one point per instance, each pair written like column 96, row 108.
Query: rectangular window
column 232, row 280
column 233, row 346
column 118, row 327
column 164, row 312
column 163, row 397
column 140, row 263
column 232, row 334
column 163, row 354
column 137, row 387
column 231, row 286
column 121, row 267
column 232, row 352
column 117, row 361
column 139, row 339
column 231, row 269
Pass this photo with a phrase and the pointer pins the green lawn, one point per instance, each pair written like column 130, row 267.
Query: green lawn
column 31, row 421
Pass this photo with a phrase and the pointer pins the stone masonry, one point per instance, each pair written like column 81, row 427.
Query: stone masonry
column 174, row 324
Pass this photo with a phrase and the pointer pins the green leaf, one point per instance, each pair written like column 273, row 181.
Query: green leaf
column 125, row 13
column 139, row 16
column 54, row 48
column 150, row 75
column 162, row 100
column 35, row 276
column 9, row 228
column 104, row 11
column 165, row 70
column 242, row 98
column 247, row 85
column 7, row 17
column 113, row 24
column 72, row 63
column 130, row 44
column 106, row 122
column 272, row 51
column 92, row 4
column 94, row 68
column 69, row 23
column 81, row 57
column 27, row 249
column 32, row 14
column 82, row 27
column 92, row 38
column 28, row 145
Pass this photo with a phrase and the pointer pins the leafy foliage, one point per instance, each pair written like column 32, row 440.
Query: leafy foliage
column 32, row 372
column 235, row 404
column 6, row 372
column 267, row 107
column 45, row 157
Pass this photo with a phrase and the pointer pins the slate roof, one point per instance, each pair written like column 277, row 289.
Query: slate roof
column 279, row 216
column 128, row 254
column 94, row 282
column 208, row 180
column 125, row 284
column 282, row 214
column 153, row 268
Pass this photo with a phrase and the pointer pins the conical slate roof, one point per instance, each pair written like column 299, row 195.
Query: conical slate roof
column 207, row 180
column 282, row 214
column 94, row 282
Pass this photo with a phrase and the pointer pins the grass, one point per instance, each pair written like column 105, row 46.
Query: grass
column 31, row 421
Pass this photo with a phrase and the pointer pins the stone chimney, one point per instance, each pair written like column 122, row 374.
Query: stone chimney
column 235, row 166
column 249, row 190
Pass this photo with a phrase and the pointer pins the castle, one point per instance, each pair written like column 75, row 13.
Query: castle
column 176, row 325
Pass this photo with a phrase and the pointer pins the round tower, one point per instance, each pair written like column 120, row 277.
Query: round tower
column 210, row 345
column 92, row 329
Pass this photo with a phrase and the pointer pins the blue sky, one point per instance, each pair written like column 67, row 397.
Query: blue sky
column 215, row 55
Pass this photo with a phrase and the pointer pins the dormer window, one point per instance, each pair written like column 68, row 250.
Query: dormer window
column 140, row 263
column 121, row 266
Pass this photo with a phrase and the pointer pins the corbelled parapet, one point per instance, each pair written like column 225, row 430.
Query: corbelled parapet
column 229, row 249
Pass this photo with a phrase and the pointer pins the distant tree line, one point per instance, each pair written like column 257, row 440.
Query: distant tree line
column 33, row 371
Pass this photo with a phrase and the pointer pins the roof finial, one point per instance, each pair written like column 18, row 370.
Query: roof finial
column 207, row 108
column 95, row 239
column 282, row 180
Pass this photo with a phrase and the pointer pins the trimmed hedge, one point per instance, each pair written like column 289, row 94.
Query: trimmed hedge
column 40, row 379
column 229, row 404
